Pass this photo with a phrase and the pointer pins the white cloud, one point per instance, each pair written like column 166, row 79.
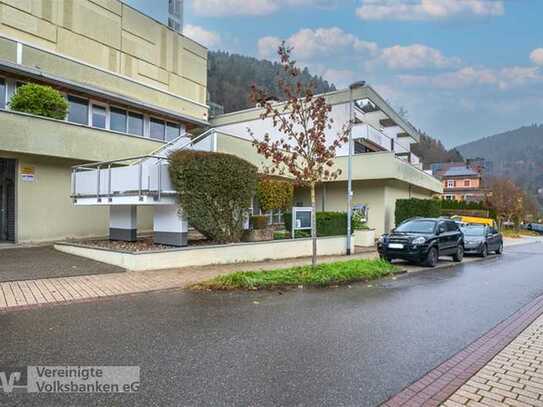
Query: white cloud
column 468, row 77
column 318, row 43
column 537, row 56
column 208, row 39
column 412, row 10
column 415, row 56
column 224, row 8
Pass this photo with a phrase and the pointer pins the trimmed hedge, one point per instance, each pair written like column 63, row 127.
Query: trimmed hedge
column 40, row 100
column 215, row 190
column 274, row 193
column 328, row 224
column 410, row 208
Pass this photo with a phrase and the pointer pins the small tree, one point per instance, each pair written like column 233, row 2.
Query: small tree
column 507, row 200
column 215, row 190
column 303, row 120
column 40, row 100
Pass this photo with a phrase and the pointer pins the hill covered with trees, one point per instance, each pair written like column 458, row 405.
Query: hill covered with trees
column 431, row 150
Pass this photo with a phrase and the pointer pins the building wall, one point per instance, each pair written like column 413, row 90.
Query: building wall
column 44, row 208
column 113, row 37
column 460, row 182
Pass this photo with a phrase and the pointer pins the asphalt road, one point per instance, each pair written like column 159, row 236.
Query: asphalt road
column 334, row 347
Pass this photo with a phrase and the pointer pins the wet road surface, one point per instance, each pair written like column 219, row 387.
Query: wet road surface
column 345, row 346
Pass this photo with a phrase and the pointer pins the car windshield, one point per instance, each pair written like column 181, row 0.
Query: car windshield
column 417, row 226
column 474, row 230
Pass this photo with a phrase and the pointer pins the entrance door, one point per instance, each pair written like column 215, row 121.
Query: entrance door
column 7, row 200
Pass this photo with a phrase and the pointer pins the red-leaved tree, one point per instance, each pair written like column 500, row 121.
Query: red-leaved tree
column 302, row 120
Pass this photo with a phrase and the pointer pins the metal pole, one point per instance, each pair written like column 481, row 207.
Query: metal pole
column 140, row 181
column 159, row 178
column 109, row 183
column 350, row 174
column 98, row 184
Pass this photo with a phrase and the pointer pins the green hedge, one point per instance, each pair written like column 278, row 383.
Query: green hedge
column 328, row 224
column 410, row 208
column 215, row 190
column 40, row 100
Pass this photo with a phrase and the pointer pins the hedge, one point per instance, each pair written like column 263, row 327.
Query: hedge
column 40, row 100
column 328, row 223
column 215, row 190
column 410, row 208
column 274, row 193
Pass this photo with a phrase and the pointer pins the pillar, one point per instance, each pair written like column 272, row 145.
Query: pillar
column 170, row 225
column 123, row 222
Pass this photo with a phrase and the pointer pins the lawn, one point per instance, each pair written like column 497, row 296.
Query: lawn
column 512, row 233
column 322, row 275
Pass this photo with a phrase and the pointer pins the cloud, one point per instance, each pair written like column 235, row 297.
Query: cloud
column 225, row 8
column 416, row 10
column 536, row 56
column 415, row 56
column 208, row 39
column 468, row 77
column 321, row 42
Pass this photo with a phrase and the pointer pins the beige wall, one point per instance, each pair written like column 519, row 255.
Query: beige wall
column 45, row 211
column 114, row 37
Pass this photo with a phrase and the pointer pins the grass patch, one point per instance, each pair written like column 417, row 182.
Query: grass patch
column 322, row 275
column 517, row 234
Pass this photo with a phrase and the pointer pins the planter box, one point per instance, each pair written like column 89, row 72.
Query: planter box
column 258, row 235
column 364, row 238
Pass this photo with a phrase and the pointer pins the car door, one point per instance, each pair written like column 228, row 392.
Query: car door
column 443, row 238
column 454, row 235
column 492, row 239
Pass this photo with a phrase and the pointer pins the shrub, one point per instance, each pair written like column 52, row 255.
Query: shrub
column 259, row 222
column 215, row 191
column 410, row 208
column 39, row 100
column 328, row 223
column 274, row 194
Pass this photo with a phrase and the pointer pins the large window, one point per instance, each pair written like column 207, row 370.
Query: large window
column 157, row 129
column 78, row 110
column 172, row 131
column 117, row 119
column 135, row 124
column 451, row 183
column 99, row 115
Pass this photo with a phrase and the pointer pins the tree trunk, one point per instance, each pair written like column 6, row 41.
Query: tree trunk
column 313, row 226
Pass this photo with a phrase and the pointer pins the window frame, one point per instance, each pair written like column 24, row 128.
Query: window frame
column 157, row 119
column 93, row 103
column 68, row 95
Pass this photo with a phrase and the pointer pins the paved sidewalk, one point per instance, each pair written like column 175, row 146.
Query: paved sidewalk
column 513, row 378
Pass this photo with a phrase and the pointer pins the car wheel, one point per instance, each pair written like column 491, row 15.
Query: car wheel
column 459, row 256
column 431, row 258
column 484, row 251
column 500, row 248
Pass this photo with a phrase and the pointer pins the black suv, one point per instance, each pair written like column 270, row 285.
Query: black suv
column 423, row 240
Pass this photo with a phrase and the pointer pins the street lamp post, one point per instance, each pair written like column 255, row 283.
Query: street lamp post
column 352, row 87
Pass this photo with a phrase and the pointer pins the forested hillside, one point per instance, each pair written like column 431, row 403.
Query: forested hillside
column 431, row 150
column 230, row 77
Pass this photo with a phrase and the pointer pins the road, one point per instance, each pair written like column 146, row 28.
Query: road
column 346, row 346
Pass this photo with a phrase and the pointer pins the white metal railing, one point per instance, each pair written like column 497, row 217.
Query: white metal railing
column 140, row 175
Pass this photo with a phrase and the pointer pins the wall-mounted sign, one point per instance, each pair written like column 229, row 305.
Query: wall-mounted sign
column 27, row 174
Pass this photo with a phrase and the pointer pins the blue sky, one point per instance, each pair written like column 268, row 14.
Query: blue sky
column 463, row 69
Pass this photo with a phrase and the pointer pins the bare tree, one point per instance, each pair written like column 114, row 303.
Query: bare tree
column 303, row 120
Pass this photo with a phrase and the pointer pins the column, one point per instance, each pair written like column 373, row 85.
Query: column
column 170, row 225
column 123, row 222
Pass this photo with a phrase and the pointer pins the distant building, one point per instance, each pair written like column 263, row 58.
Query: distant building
column 175, row 15
column 461, row 181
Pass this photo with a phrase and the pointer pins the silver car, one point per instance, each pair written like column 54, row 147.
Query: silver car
column 482, row 240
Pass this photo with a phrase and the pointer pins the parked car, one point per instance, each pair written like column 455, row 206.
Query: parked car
column 481, row 240
column 422, row 241
column 536, row 227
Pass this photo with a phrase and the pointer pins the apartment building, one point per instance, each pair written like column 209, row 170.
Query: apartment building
column 132, row 84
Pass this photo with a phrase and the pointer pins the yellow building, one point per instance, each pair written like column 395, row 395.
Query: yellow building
column 131, row 84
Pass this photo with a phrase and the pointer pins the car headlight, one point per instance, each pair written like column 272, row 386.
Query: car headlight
column 419, row 240
column 381, row 239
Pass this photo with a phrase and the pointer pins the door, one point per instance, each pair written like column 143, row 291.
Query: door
column 493, row 240
column 7, row 200
column 443, row 238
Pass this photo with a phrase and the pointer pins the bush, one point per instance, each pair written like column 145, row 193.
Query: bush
column 39, row 100
column 274, row 194
column 259, row 222
column 215, row 191
column 411, row 208
column 328, row 224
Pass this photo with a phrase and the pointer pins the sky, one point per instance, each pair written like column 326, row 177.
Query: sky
column 462, row 69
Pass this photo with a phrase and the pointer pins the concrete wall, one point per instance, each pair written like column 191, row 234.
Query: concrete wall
column 44, row 210
column 113, row 37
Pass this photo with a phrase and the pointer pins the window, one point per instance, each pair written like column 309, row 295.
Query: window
column 78, row 110
column 172, row 131
column 449, row 197
column 157, row 129
column 117, row 119
column 452, row 227
column 98, row 116
column 467, row 183
column 2, row 93
column 135, row 124
column 451, row 183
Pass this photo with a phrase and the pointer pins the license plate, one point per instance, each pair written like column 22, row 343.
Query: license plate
column 395, row 246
